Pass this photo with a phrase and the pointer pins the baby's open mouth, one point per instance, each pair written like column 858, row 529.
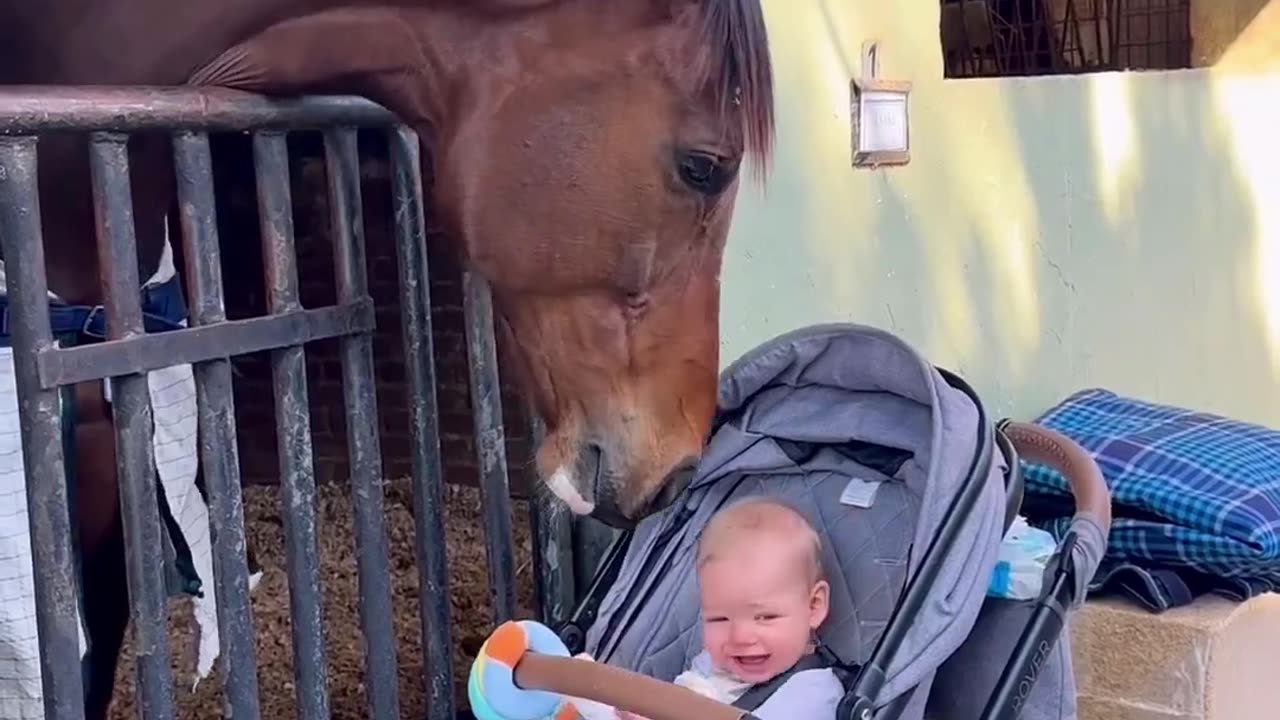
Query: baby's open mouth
column 751, row 661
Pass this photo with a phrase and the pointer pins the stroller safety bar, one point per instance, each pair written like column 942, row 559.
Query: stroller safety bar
column 641, row 694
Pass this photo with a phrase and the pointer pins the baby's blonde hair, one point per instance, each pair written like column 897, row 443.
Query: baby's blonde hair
column 762, row 516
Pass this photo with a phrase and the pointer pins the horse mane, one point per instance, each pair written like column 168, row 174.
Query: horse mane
column 740, row 72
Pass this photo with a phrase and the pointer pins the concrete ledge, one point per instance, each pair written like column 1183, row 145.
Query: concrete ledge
column 1212, row 660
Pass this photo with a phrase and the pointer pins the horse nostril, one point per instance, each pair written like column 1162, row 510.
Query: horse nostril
column 637, row 304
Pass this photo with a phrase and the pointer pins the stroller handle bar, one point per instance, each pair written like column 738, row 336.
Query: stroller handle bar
column 1041, row 445
column 657, row 700
column 640, row 694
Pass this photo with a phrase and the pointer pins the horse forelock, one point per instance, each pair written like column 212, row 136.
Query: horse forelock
column 740, row 72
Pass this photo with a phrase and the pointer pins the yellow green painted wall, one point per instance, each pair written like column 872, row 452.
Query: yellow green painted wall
column 1118, row 230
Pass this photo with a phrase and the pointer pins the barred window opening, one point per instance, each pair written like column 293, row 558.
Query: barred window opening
column 995, row 38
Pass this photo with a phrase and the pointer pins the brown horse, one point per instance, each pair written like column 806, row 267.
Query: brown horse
column 584, row 156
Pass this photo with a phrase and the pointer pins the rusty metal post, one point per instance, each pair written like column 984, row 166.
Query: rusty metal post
column 131, row 412
column 363, row 448
column 217, row 427
column 293, row 430
column 491, row 446
column 424, row 423
column 40, row 420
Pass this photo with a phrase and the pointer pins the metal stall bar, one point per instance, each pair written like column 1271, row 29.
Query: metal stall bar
column 82, row 363
column 491, row 446
column 424, row 425
column 552, row 535
column 592, row 541
column 293, row 430
column 131, row 411
column 356, row 351
column 57, row 621
column 41, row 109
column 219, row 453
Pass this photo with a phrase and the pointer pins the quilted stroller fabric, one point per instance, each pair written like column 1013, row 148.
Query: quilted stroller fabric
column 870, row 442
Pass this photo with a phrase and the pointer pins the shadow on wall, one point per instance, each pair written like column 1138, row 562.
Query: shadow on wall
column 1146, row 277
column 1049, row 233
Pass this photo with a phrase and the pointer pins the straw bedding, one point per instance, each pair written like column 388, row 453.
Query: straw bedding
column 468, row 579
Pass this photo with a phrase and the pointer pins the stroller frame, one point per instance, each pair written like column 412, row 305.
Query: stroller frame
column 1037, row 640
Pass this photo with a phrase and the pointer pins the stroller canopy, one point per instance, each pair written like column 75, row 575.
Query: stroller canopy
column 866, row 439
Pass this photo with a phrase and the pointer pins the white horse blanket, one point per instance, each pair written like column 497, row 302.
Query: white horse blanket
column 173, row 407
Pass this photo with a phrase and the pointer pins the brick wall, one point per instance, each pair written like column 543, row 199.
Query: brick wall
column 245, row 297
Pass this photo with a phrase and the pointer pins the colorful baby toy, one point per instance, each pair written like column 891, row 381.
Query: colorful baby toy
column 491, row 686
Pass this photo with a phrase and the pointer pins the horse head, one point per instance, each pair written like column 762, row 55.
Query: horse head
column 585, row 158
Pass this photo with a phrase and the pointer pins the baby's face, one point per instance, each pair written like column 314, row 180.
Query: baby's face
column 759, row 610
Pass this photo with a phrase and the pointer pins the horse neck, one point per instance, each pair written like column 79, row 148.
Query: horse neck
column 422, row 62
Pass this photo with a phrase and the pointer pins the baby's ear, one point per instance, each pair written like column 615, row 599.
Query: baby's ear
column 819, row 603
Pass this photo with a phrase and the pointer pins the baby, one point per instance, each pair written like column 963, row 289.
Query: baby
column 763, row 596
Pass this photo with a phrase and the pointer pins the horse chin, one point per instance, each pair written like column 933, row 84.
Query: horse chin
column 574, row 481
column 603, row 501
column 562, row 485
column 568, row 483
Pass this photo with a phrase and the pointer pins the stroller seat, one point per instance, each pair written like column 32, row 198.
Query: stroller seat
column 911, row 488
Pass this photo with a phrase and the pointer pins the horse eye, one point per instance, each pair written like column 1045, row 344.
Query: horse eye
column 700, row 171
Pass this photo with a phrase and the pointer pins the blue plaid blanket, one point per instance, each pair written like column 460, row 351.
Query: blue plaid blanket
column 1196, row 496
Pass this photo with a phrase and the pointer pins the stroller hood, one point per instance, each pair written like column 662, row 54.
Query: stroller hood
column 853, row 428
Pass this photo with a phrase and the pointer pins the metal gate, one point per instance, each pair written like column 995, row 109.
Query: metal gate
column 42, row 369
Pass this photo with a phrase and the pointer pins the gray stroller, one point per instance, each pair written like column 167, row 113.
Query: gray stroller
column 896, row 464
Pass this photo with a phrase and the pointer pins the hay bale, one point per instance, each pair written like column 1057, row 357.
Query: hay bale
column 469, row 596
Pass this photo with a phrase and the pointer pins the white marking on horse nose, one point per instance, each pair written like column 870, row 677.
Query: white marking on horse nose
column 561, row 483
